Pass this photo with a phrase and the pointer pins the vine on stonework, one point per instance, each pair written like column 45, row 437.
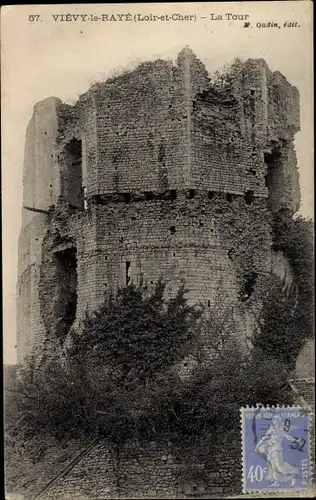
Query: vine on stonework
column 287, row 312
column 294, row 236
column 246, row 231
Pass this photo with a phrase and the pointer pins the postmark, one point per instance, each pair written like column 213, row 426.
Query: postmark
column 276, row 449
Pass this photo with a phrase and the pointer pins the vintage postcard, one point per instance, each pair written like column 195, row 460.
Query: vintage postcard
column 158, row 250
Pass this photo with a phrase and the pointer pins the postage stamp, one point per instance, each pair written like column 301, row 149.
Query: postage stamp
column 276, row 449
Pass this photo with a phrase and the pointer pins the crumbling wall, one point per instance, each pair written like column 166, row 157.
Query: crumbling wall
column 223, row 159
column 159, row 173
column 251, row 114
column 69, row 231
column 30, row 328
column 40, row 192
column 210, row 242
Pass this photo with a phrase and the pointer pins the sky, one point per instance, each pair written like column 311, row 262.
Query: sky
column 43, row 57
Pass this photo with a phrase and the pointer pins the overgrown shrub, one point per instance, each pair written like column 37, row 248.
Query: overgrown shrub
column 119, row 380
column 138, row 334
column 287, row 311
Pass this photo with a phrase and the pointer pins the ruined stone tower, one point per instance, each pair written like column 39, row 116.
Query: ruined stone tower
column 154, row 173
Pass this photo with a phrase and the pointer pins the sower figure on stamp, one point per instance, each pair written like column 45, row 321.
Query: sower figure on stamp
column 270, row 445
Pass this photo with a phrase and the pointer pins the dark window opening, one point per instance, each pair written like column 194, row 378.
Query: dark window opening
column 191, row 194
column 201, row 224
column 229, row 197
column 252, row 171
column 194, row 488
column 249, row 285
column 127, row 273
column 211, row 195
column 172, row 229
column 67, row 281
column 174, row 254
column 149, row 195
column 252, row 92
column 273, row 177
column 97, row 198
column 127, row 197
column 208, row 303
column 173, row 194
column 249, row 197
column 72, row 189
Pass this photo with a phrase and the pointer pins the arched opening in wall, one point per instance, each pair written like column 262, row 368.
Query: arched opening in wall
column 273, row 177
column 71, row 174
column 66, row 290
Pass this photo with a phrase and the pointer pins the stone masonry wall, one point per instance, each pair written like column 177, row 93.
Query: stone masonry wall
column 141, row 142
column 142, row 470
